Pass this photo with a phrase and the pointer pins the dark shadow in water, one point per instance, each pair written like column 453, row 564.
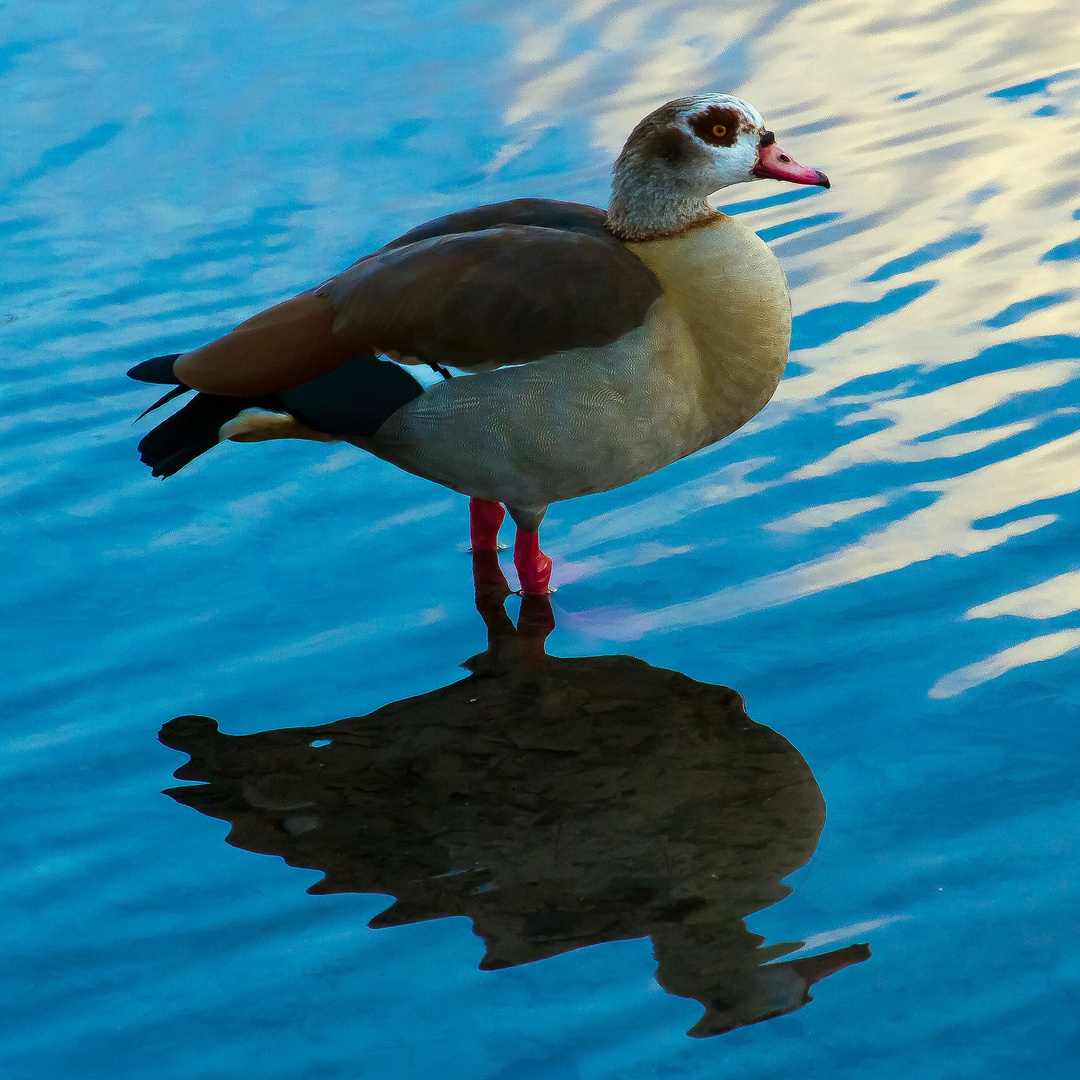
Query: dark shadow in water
column 557, row 803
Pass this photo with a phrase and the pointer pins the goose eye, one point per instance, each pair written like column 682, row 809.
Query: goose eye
column 719, row 131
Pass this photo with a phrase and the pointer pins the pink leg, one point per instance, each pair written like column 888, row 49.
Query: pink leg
column 485, row 517
column 533, row 566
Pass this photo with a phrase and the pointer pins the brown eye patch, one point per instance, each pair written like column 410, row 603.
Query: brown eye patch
column 717, row 125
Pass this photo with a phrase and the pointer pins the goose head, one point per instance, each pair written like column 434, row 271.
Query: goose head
column 683, row 152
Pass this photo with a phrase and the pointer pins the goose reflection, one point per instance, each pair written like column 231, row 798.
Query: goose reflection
column 556, row 802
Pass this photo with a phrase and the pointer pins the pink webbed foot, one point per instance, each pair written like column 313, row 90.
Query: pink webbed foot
column 485, row 517
column 533, row 566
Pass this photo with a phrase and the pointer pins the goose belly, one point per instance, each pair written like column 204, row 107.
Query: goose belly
column 579, row 422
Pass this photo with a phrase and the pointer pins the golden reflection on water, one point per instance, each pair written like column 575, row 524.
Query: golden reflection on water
column 558, row 803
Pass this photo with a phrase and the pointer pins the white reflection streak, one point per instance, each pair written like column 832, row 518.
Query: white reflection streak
column 543, row 93
column 827, row 937
column 821, row 517
column 337, row 638
column 639, row 555
column 1047, row 600
column 409, row 517
column 1047, row 647
column 668, row 507
column 649, row 52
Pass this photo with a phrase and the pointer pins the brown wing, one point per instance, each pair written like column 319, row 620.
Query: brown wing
column 503, row 295
column 283, row 346
column 503, row 283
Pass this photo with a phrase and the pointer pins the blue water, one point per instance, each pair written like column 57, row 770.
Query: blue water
column 883, row 564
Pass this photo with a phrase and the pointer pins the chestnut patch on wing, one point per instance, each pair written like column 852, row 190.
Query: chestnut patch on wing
column 717, row 125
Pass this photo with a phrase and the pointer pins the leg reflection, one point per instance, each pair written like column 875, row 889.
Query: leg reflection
column 506, row 644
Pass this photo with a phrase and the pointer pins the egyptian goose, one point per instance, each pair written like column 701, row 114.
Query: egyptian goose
column 600, row 347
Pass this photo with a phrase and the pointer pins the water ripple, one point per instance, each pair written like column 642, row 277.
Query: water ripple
column 884, row 560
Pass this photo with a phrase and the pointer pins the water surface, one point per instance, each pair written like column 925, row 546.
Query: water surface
column 882, row 565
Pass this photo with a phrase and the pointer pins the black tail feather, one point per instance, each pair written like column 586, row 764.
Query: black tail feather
column 353, row 400
column 158, row 369
column 189, row 432
column 176, row 391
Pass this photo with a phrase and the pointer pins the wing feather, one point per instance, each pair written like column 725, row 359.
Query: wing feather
column 499, row 284
column 503, row 295
column 283, row 346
